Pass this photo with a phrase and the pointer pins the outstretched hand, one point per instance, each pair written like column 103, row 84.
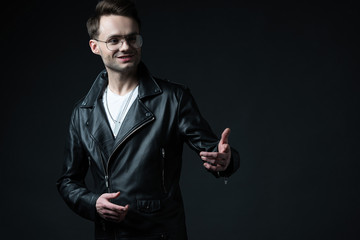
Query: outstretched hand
column 218, row 161
column 110, row 211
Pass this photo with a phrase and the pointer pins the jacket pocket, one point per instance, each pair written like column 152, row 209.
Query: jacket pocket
column 148, row 206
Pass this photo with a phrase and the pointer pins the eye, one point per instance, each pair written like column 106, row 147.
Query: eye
column 113, row 41
column 131, row 39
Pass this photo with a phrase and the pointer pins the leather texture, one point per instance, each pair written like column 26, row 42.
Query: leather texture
column 143, row 162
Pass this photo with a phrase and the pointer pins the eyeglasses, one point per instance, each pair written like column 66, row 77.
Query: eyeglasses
column 115, row 42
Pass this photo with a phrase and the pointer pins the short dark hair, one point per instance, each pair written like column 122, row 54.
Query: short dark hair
column 124, row 8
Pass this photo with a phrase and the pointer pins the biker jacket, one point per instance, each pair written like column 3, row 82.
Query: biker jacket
column 143, row 162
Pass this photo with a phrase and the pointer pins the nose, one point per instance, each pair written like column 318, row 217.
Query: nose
column 124, row 46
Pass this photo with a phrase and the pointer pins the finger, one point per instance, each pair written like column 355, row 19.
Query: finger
column 115, row 216
column 111, row 195
column 214, row 156
column 221, row 162
column 225, row 136
column 213, row 168
column 116, row 208
column 211, row 161
column 209, row 154
column 110, row 206
column 109, row 212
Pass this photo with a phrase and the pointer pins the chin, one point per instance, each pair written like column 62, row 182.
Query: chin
column 124, row 68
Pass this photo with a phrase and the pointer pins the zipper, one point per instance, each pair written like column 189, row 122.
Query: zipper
column 106, row 169
column 106, row 178
column 163, row 169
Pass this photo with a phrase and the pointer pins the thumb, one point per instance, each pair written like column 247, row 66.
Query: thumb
column 225, row 136
column 112, row 195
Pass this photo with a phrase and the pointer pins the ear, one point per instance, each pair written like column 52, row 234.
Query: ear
column 94, row 46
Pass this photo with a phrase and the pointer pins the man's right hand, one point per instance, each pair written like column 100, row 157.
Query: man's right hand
column 110, row 211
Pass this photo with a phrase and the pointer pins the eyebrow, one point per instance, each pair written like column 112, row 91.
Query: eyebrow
column 119, row 35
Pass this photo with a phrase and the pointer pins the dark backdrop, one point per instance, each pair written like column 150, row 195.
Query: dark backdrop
column 285, row 79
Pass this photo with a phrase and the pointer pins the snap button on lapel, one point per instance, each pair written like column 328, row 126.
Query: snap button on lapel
column 147, row 114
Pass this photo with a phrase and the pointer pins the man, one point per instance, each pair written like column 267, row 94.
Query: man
column 129, row 130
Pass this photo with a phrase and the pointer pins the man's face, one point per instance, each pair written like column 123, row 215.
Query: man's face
column 124, row 59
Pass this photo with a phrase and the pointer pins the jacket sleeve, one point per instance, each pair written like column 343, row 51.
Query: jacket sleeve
column 71, row 185
column 197, row 132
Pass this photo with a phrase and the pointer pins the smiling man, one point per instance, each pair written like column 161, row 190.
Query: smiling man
column 130, row 130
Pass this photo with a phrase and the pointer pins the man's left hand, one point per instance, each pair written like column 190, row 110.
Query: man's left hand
column 218, row 161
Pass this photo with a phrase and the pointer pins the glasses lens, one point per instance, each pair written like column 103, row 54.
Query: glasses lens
column 138, row 41
column 115, row 43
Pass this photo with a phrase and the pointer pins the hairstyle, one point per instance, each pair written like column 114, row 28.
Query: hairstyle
column 124, row 8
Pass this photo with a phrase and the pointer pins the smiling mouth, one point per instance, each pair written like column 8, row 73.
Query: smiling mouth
column 125, row 57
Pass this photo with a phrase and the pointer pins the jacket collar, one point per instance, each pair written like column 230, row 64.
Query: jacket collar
column 147, row 86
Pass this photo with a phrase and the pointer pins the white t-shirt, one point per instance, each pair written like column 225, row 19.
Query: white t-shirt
column 116, row 104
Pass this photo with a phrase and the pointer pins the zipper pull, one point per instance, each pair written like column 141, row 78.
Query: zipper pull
column 163, row 152
column 107, row 182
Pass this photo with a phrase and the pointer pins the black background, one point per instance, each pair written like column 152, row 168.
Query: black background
column 284, row 78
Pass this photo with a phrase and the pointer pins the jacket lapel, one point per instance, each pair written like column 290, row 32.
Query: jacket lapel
column 100, row 130
column 97, row 123
column 138, row 115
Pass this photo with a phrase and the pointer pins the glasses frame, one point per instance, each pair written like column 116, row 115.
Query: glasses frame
column 124, row 38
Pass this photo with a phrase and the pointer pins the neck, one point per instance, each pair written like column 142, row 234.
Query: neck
column 122, row 83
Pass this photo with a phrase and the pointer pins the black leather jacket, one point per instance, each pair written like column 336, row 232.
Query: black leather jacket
column 143, row 162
